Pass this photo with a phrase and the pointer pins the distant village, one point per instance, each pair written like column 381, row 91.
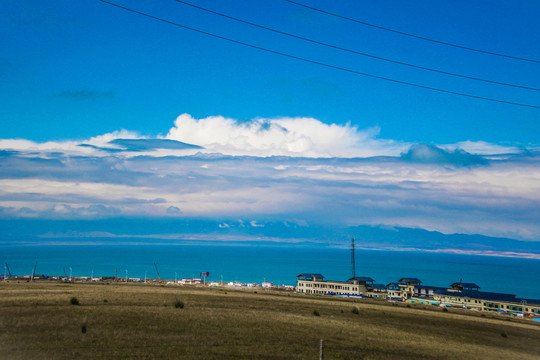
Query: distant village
column 170, row 282
column 408, row 290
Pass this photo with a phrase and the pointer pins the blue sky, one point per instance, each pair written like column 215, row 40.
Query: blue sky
column 277, row 139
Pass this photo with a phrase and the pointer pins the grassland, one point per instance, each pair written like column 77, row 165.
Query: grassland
column 130, row 321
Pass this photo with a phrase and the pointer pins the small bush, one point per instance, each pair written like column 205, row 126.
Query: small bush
column 445, row 309
column 179, row 304
column 355, row 311
column 105, row 300
column 503, row 334
column 316, row 313
column 83, row 328
column 74, row 301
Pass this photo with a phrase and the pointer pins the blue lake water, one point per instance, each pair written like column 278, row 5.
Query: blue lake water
column 279, row 265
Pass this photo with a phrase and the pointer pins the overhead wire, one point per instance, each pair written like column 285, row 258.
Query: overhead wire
column 355, row 51
column 314, row 61
column 412, row 35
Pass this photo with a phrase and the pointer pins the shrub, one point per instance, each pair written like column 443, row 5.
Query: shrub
column 355, row 311
column 74, row 301
column 503, row 334
column 83, row 328
column 316, row 313
column 445, row 309
column 179, row 304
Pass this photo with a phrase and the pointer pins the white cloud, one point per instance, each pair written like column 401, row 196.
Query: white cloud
column 253, row 223
column 305, row 137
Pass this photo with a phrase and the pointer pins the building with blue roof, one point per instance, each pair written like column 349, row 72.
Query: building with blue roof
column 468, row 296
column 459, row 294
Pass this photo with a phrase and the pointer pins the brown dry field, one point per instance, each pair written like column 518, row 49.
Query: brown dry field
column 139, row 321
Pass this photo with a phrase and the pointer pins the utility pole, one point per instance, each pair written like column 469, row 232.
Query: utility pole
column 157, row 271
column 9, row 271
column 126, row 275
column 321, row 350
column 145, row 276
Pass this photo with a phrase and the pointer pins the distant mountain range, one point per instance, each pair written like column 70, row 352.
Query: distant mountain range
column 28, row 231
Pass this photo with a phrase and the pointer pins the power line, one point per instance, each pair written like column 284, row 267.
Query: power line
column 317, row 62
column 412, row 35
column 355, row 51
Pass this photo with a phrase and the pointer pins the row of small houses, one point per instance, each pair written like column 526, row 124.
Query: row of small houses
column 459, row 294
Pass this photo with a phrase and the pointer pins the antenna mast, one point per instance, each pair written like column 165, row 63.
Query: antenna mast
column 353, row 262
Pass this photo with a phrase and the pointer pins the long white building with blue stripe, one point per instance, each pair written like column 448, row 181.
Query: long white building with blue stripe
column 459, row 294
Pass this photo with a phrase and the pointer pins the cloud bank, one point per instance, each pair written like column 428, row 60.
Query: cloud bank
column 291, row 137
column 291, row 171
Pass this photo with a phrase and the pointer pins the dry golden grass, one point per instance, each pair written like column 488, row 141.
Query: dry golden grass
column 129, row 321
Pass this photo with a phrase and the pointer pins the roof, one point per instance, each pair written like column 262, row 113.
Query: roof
column 362, row 279
column 393, row 284
column 310, row 276
column 465, row 285
column 378, row 286
column 480, row 295
column 410, row 280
